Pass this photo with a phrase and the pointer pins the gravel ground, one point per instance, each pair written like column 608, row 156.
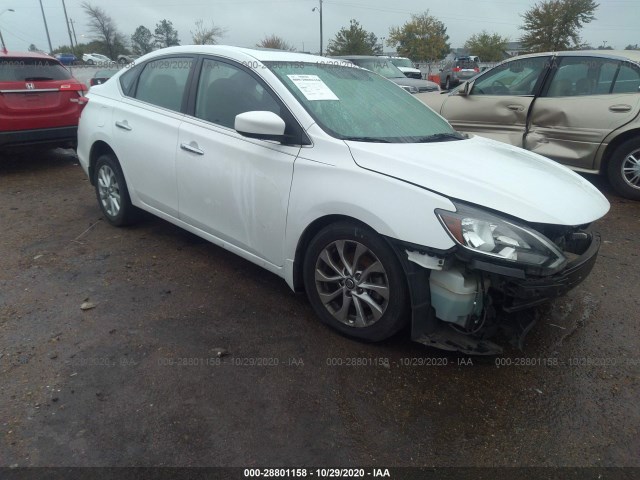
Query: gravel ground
column 136, row 380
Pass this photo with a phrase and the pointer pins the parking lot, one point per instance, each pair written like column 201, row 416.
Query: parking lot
column 136, row 378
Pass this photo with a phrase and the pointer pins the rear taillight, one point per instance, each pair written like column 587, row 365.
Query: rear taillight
column 456, row 69
column 476, row 69
column 92, row 82
column 80, row 89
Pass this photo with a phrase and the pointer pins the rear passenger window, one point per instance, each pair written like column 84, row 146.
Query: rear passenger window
column 579, row 76
column 163, row 82
column 628, row 80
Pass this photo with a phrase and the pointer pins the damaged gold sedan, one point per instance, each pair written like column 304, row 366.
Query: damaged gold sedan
column 579, row 108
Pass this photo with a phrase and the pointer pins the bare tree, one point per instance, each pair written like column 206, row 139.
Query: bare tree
column 276, row 42
column 104, row 30
column 207, row 35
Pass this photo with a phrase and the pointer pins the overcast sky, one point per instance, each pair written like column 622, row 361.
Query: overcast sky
column 249, row 21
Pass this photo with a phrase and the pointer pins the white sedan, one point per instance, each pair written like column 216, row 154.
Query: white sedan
column 344, row 185
column 96, row 59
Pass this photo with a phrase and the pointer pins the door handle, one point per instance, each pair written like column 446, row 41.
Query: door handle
column 124, row 125
column 515, row 107
column 620, row 108
column 192, row 147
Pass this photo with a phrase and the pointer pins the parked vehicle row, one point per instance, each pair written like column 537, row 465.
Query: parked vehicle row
column 389, row 217
column 384, row 66
column 581, row 109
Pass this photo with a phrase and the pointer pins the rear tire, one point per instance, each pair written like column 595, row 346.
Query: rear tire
column 624, row 169
column 355, row 282
column 112, row 193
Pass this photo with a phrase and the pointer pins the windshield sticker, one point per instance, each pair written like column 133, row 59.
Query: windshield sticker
column 312, row 87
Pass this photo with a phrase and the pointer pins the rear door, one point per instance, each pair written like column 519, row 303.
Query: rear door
column 499, row 101
column 585, row 100
column 37, row 93
column 145, row 126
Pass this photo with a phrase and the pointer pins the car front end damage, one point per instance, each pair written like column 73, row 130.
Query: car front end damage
column 481, row 288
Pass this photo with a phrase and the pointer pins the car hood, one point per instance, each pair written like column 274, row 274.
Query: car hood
column 413, row 82
column 489, row 174
column 408, row 69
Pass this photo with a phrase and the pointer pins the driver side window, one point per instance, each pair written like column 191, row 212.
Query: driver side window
column 225, row 91
column 517, row 77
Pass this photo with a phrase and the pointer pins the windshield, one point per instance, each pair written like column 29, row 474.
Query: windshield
column 354, row 104
column 402, row 62
column 381, row 66
column 31, row 70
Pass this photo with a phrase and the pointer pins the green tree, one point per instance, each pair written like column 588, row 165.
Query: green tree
column 142, row 41
column 274, row 41
column 423, row 38
column 33, row 48
column 489, row 47
column 553, row 25
column 354, row 40
column 165, row 35
column 207, row 35
column 632, row 47
column 104, row 30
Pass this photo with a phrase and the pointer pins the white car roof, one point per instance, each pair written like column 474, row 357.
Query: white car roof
column 241, row 53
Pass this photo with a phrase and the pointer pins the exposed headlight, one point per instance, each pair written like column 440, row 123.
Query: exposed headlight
column 488, row 234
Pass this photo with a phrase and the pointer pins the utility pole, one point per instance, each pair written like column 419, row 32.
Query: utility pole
column 73, row 29
column 64, row 7
column 46, row 28
column 320, row 11
column 4, row 47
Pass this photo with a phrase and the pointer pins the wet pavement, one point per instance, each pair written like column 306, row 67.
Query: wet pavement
column 136, row 379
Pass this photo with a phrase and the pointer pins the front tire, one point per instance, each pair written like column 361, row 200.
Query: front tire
column 355, row 282
column 624, row 169
column 112, row 193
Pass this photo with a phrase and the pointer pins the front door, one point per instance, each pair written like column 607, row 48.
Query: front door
column 498, row 103
column 230, row 186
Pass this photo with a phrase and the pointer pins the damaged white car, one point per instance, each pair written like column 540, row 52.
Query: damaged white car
column 343, row 184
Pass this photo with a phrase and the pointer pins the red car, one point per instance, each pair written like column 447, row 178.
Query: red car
column 40, row 101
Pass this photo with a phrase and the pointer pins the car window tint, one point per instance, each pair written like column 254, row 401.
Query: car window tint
column 31, row 70
column 163, row 82
column 605, row 77
column 225, row 91
column 127, row 79
column 518, row 77
column 582, row 76
column 628, row 80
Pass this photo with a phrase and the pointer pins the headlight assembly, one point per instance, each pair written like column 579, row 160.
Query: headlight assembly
column 488, row 234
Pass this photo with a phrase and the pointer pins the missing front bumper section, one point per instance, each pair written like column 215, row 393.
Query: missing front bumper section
column 512, row 290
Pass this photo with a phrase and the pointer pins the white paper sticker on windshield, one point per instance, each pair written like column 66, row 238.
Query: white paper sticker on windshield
column 312, row 87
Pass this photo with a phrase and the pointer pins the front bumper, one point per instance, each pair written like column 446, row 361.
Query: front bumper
column 529, row 292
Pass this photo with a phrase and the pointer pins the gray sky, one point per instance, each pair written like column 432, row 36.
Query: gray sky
column 248, row 21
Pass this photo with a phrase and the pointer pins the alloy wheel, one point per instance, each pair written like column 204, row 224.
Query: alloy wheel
column 109, row 191
column 631, row 169
column 352, row 283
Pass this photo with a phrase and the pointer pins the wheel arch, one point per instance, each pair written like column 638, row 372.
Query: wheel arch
column 98, row 149
column 307, row 235
column 613, row 145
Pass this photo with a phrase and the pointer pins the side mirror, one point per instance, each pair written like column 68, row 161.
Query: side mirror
column 464, row 89
column 262, row 125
